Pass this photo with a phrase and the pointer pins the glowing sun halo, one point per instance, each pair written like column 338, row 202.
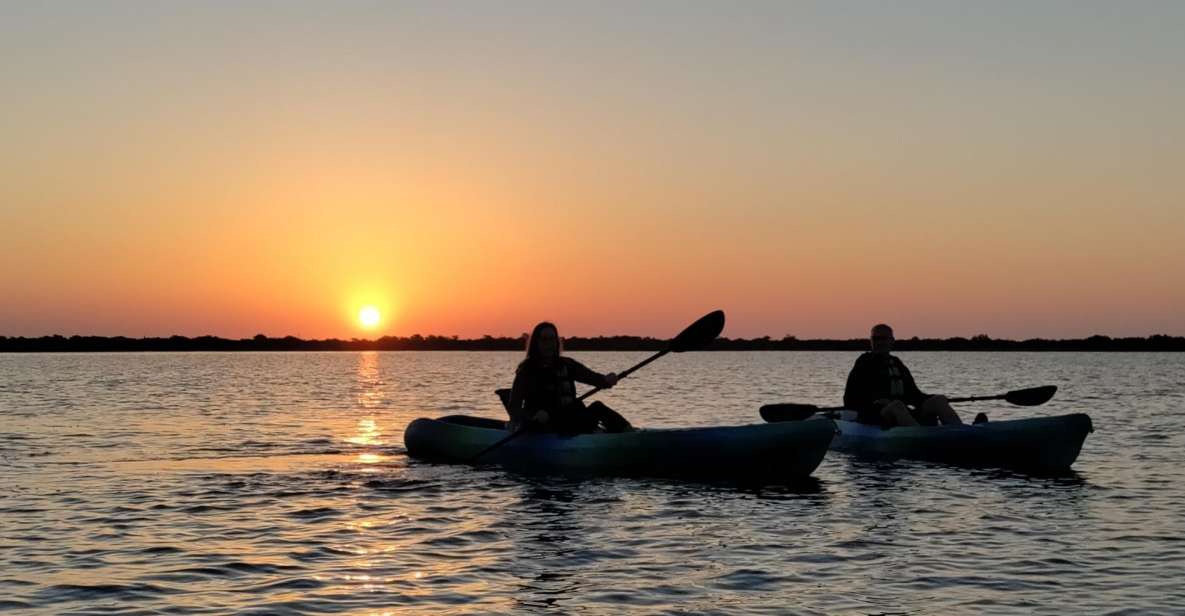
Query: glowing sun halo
column 369, row 316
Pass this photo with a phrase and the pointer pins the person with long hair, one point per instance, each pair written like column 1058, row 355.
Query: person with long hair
column 544, row 392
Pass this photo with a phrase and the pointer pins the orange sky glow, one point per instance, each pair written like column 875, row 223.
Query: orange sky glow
column 204, row 170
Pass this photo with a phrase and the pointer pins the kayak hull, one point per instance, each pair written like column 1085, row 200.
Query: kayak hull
column 766, row 453
column 1039, row 444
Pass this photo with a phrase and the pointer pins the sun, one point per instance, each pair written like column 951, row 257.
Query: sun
column 369, row 316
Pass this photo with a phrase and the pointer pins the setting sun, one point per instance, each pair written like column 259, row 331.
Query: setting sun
column 369, row 316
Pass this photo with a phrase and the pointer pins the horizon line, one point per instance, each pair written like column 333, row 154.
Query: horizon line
column 417, row 342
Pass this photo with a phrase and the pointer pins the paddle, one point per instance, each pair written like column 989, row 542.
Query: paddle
column 1032, row 396
column 695, row 336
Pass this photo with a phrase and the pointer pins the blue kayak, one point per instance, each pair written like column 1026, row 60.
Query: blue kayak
column 1042, row 444
column 761, row 452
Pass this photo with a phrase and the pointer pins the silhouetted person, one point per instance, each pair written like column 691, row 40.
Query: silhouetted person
column 544, row 391
column 883, row 392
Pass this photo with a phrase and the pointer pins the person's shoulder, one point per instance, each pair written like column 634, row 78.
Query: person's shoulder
column 570, row 363
column 865, row 357
column 863, row 363
column 525, row 366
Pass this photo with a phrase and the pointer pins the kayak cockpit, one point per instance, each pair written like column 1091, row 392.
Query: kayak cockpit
column 473, row 422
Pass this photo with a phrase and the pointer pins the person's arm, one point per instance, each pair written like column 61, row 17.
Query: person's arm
column 582, row 374
column 518, row 395
column 856, row 394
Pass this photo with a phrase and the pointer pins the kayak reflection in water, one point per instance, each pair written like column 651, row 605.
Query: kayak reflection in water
column 881, row 389
column 544, row 391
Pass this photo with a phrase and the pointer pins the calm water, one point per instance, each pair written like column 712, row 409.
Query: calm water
column 277, row 483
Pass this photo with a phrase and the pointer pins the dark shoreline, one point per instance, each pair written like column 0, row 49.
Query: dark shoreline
column 90, row 344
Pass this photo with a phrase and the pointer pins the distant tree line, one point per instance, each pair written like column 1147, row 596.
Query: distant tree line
column 600, row 343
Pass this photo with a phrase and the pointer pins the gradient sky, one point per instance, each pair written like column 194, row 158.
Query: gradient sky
column 1008, row 168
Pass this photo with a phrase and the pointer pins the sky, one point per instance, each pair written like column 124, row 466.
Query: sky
column 232, row 168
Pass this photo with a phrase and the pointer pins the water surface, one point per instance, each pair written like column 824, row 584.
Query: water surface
column 278, row 483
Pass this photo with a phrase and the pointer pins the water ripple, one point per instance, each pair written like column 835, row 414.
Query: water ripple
column 278, row 483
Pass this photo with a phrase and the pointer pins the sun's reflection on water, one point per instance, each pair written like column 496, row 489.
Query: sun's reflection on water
column 368, row 433
column 376, row 561
column 370, row 397
column 370, row 383
column 370, row 458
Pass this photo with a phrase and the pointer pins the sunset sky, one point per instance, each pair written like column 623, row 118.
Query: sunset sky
column 1008, row 168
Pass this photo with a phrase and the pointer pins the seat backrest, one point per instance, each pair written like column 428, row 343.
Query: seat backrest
column 504, row 396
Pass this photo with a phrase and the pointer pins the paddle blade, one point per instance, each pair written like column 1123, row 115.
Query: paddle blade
column 773, row 413
column 699, row 334
column 1032, row 396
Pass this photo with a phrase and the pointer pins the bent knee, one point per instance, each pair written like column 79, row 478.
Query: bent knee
column 893, row 408
column 936, row 399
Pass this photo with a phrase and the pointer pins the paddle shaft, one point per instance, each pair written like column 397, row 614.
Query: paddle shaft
column 977, row 398
column 1032, row 396
column 500, row 443
column 627, row 372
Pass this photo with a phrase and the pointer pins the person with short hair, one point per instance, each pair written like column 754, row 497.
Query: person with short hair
column 882, row 390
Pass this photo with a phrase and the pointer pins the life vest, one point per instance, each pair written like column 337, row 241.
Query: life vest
column 893, row 373
column 552, row 387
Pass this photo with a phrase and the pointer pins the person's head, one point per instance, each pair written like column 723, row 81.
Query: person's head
column 544, row 342
column 882, row 339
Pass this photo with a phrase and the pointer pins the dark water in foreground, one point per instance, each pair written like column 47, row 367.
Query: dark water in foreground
column 277, row 483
